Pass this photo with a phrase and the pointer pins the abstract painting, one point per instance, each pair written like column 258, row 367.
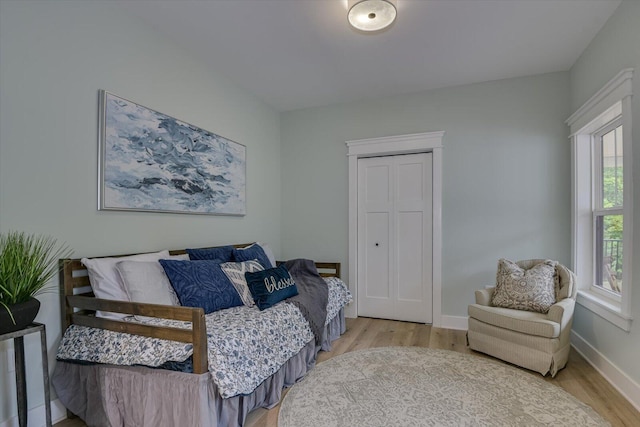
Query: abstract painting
column 149, row 161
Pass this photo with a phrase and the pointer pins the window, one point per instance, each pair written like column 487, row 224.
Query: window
column 602, row 204
column 608, row 207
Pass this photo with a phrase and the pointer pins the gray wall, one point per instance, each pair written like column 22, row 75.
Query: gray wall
column 616, row 46
column 54, row 56
column 506, row 174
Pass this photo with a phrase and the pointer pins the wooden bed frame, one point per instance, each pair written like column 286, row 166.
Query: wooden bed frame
column 78, row 306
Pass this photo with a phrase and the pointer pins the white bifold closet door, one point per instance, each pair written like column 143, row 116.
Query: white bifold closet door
column 395, row 237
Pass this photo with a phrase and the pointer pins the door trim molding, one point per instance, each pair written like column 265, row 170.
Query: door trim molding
column 389, row 146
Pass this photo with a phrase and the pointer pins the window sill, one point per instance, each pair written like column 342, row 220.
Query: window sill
column 608, row 310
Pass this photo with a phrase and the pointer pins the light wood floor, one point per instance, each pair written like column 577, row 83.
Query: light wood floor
column 578, row 378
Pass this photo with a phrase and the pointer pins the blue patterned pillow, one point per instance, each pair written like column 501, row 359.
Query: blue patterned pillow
column 201, row 284
column 220, row 254
column 271, row 286
column 254, row 251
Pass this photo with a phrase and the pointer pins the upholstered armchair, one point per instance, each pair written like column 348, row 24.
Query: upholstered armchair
column 533, row 340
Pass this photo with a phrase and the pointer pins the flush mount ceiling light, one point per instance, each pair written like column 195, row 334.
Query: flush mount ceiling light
column 371, row 15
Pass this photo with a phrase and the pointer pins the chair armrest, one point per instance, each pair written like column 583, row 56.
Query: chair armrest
column 562, row 312
column 483, row 296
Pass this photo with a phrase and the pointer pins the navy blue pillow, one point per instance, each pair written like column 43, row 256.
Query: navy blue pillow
column 271, row 286
column 201, row 284
column 249, row 253
column 221, row 254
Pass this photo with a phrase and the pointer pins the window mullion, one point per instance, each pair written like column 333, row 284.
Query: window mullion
column 608, row 211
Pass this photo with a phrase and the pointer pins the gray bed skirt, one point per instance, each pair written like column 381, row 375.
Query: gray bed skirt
column 109, row 395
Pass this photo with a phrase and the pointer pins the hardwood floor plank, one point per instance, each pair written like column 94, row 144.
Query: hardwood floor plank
column 368, row 335
column 578, row 378
column 449, row 339
column 421, row 336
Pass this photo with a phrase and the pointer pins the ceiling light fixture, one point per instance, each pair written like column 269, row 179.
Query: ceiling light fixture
column 371, row 15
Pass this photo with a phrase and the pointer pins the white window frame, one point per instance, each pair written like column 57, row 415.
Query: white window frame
column 609, row 103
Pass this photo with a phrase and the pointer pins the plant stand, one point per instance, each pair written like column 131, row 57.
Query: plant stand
column 21, row 379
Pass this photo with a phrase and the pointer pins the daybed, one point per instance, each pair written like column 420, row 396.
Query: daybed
column 172, row 365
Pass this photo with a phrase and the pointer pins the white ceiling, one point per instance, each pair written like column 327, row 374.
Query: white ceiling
column 302, row 53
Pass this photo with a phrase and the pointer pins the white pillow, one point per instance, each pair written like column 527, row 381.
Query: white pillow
column 106, row 282
column 235, row 272
column 268, row 252
column 146, row 281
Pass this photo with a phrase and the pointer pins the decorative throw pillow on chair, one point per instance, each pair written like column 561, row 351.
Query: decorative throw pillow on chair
column 521, row 289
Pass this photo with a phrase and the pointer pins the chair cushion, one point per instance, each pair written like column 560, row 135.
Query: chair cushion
column 566, row 283
column 526, row 322
column 531, row 289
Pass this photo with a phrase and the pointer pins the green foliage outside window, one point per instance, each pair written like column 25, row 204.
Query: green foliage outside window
column 612, row 197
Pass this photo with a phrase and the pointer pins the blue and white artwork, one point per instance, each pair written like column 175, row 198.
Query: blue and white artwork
column 153, row 162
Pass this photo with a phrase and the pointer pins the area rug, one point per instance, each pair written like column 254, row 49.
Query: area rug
column 413, row 386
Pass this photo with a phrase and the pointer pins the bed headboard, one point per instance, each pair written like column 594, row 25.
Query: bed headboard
column 78, row 306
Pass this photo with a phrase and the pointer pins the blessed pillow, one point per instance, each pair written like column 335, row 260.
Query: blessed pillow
column 271, row 286
column 220, row 254
column 105, row 281
column 525, row 289
column 253, row 251
column 235, row 272
column 201, row 283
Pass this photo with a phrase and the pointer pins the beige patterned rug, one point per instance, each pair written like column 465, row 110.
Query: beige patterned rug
column 414, row 386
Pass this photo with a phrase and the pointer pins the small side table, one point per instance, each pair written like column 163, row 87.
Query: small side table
column 21, row 379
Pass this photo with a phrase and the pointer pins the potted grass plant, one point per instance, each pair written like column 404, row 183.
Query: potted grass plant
column 27, row 263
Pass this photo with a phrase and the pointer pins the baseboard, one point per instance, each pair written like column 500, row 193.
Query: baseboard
column 446, row 322
column 454, row 322
column 37, row 416
column 616, row 377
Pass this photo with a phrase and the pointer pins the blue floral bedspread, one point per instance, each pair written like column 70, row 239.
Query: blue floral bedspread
column 339, row 296
column 245, row 345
